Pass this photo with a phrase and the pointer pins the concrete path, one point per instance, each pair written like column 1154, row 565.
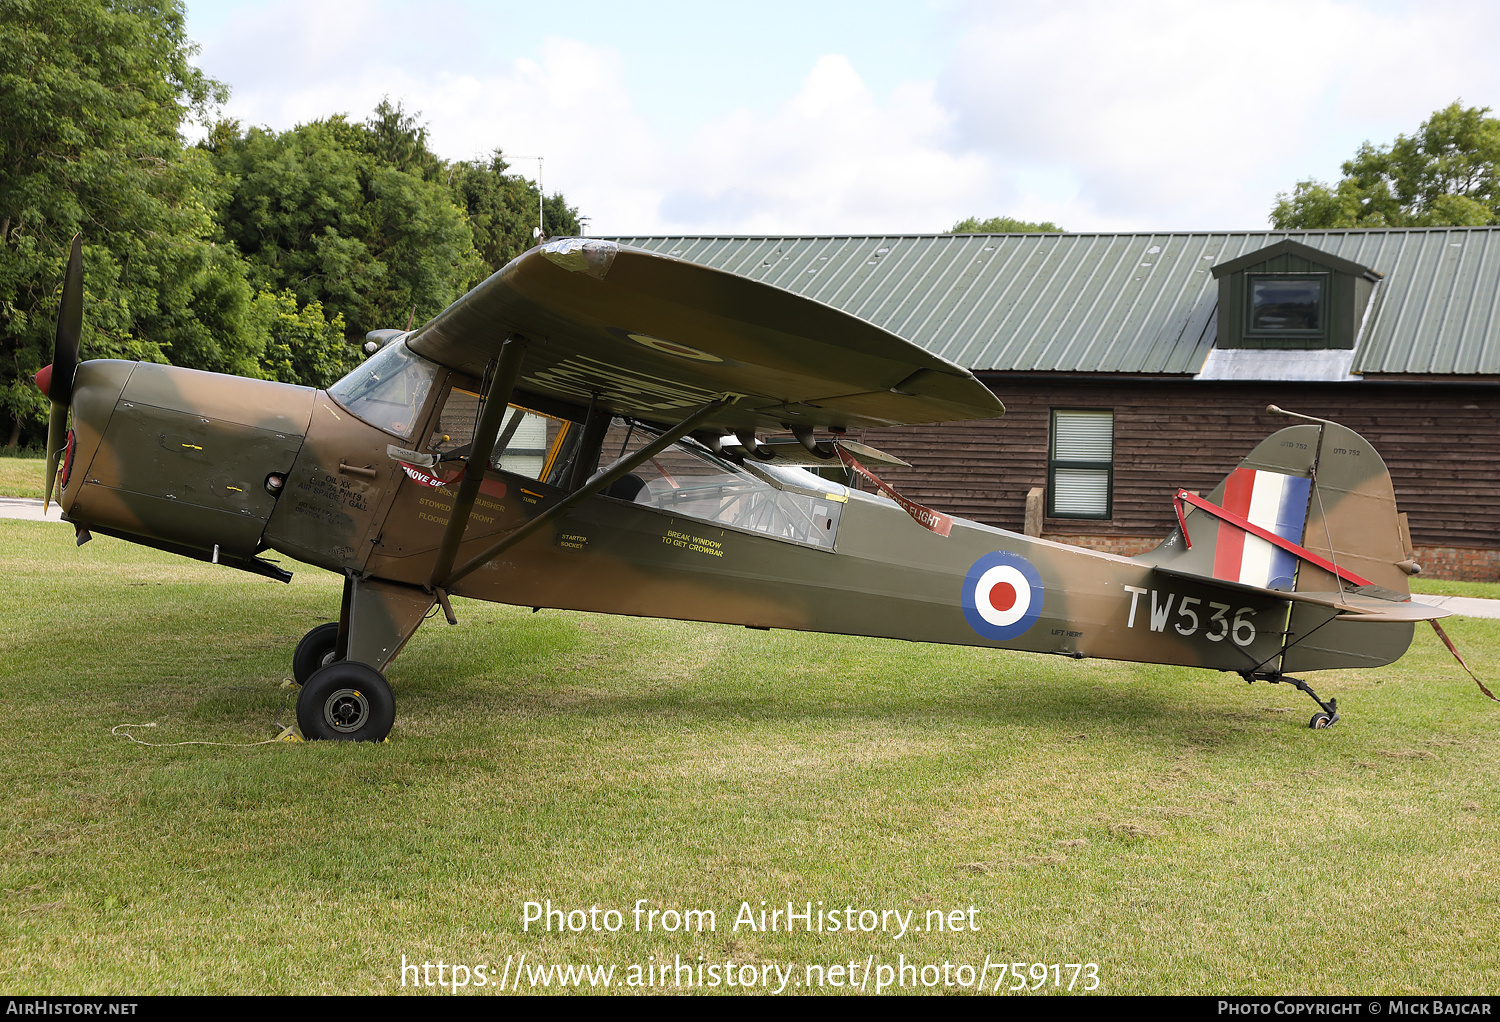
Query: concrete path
column 1463, row 606
column 31, row 510
column 28, row 509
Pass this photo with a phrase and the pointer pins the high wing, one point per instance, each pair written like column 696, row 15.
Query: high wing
column 649, row 336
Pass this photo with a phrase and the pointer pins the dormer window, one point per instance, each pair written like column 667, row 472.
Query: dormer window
column 1291, row 295
column 1285, row 305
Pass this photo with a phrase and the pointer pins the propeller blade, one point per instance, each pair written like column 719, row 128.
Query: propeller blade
column 57, row 437
column 69, row 328
column 59, row 385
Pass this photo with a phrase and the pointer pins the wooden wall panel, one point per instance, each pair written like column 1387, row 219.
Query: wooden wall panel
column 1441, row 442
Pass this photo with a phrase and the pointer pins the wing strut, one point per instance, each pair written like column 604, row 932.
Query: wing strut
column 597, row 482
column 495, row 403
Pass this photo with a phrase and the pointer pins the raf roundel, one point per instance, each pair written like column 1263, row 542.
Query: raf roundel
column 1002, row 596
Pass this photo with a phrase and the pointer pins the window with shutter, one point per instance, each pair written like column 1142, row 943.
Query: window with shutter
column 1080, row 464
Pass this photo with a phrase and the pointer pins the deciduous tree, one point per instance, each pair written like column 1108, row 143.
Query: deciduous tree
column 92, row 96
column 1447, row 173
column 1003, row 225
column 504, row 208
column 302, row 345
column 256, row 252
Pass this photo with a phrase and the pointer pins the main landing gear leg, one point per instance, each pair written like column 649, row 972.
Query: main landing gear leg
column 344, row 696
column 1327, row 717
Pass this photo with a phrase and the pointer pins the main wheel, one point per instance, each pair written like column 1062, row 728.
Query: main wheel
column 347, row 701
column 314, row 651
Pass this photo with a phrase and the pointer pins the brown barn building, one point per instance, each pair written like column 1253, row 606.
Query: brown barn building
column 1134, row 364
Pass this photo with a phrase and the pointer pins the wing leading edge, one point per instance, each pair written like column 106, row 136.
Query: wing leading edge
column 650, row 336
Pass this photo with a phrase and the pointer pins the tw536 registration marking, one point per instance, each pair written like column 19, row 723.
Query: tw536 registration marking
column 1190, row 616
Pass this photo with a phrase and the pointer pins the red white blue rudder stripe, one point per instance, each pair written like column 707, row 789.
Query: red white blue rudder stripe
column 1277, row 503
column 1002, row 596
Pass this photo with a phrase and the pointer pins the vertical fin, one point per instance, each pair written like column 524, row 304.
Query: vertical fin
column 1322, row 487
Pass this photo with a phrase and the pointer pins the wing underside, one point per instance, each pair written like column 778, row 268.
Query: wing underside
column 651, row 337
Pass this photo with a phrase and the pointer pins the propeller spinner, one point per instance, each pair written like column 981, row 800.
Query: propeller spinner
column 56, row 380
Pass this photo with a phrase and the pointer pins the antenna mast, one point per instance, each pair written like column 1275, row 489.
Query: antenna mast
column 541, row 196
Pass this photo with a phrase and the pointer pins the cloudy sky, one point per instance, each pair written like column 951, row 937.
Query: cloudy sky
column 826, row 116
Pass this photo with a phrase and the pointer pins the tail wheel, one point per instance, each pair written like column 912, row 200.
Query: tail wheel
column 347, row 701
column 315, row 651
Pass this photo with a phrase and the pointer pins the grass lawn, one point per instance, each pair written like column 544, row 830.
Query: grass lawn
column 1184, row 831
column 1443, row 587
column 22, row 477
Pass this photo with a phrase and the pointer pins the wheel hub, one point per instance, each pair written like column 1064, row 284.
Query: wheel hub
column 346, row 710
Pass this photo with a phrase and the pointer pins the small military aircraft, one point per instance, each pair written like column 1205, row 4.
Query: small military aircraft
column 605, row 429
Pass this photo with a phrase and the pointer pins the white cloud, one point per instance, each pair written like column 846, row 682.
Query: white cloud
column 568, row 105
column 1178, row 113
column 831, row 158
column 1097, row 114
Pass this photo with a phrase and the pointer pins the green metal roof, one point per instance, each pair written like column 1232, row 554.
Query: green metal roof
column 1125, row 303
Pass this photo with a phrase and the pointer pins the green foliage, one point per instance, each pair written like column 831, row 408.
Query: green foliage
column 1003, row 225
column 297, row 212
column 502, row 209
column 92, row 93
column 1445, row 174
column 302, row 346
column 364, row 219
column 255, row 252
column 396, row 139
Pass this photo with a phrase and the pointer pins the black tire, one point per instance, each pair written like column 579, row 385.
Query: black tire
column 315, row 651
column 1320, row 721
column 347, row 701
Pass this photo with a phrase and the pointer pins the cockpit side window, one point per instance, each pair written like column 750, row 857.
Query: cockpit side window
column 525, row 436
column 528, row 439
column 388, row 389
column 686, row 479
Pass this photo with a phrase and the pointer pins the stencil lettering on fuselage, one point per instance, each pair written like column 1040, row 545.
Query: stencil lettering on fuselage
column 1192, row 616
